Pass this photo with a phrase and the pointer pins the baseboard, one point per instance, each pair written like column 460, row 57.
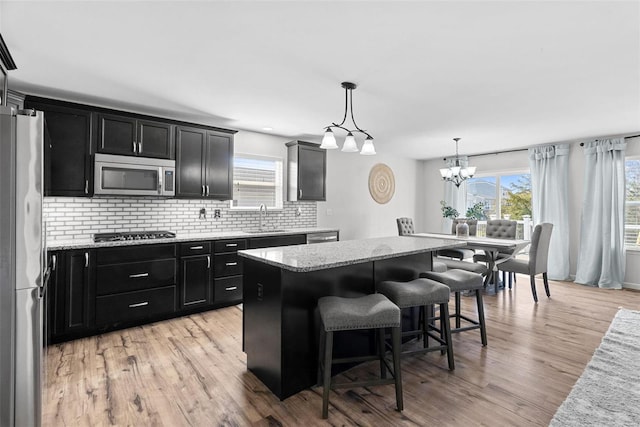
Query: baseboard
column 635, row 286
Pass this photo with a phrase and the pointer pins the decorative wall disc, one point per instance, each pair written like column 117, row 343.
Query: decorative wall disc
column 382, row 184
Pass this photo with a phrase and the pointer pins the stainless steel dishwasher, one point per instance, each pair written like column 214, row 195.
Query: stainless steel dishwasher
column 322, row 237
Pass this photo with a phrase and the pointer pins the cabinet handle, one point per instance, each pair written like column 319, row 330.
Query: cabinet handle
column 134, row 146
column 139, row 304
column 203, row 191
column 133, row 276
column 300, row 193
column 231, row 264
column 231, row 288
column 208, row 261
column 54, row 262
column 195, row 248
column 231, row 245
column 139, row 147
column 207, row 191
column 86, row 186
column 86, row 259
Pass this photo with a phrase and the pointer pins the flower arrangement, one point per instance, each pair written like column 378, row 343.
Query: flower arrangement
column 448, row 211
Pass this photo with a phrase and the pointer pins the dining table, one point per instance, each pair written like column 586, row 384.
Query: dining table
column 508, row 248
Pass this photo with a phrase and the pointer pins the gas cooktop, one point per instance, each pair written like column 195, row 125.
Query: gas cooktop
column 134, row 235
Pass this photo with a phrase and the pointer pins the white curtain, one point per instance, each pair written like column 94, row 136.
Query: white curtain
column 601, row 258
column 550, row 202
column 456, row 197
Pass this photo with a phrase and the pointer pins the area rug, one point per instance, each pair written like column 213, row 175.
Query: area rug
column 608, row 391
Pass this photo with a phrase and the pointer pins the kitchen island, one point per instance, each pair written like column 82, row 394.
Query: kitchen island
column 281, row 289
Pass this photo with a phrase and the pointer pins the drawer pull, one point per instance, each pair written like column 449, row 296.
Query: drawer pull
column 232, row 245
column 195, row 248
column 133, row 276
column 231, row 288
column 231, row 264
column 208, row 262
column 139, row 304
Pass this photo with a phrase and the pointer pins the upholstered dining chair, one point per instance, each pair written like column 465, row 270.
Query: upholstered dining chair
column 538, row 257
column 499, row 229
column 405, row 226
column 460, row 253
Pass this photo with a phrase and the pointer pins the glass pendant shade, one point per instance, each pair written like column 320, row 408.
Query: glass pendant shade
column 350, row 145
column 458, row 171
column 471, row 170
column 329, row 140
column 368, row 148
column 445, row 173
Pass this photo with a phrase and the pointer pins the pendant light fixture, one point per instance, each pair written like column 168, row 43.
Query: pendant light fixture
column 350, row 145
column 458, row 170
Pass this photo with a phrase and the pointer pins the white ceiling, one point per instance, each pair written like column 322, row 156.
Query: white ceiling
column 500, row 75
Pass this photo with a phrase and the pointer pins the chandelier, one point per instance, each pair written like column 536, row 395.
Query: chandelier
column 350, row 145
column 458, row 170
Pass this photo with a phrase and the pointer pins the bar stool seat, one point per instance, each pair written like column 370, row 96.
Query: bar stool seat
column 458, row 281
column 423, row 293
column 454, row 264
column 373, row 311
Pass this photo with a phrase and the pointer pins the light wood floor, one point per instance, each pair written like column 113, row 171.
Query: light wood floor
column 191, row 371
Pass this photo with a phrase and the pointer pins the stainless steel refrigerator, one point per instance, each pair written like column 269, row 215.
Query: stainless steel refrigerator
column 23, row 273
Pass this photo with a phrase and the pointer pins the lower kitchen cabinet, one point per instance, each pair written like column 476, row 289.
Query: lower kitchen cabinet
column 125, row 307
column 70, row 294
column 195, row 277
column 270, row 241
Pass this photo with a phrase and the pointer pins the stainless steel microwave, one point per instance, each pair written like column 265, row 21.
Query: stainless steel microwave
column 134, row 176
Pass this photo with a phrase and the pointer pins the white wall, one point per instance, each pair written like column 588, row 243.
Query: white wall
column 349, row 205
column 517, row 160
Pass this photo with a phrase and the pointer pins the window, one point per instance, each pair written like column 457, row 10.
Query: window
column 505, row 196
column 257, row 180
column 632, row 203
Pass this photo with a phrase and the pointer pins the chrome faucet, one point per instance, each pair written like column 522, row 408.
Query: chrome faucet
column 263, row 206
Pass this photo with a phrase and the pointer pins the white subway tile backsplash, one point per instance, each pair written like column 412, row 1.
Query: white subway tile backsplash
column 79, row 218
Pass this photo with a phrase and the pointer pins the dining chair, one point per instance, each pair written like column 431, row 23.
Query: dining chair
column 405, row 226
column 460, row 253
column 538, row 257
column 499, row 229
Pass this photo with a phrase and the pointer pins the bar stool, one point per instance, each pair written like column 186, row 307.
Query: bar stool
column 458, row 281
column 423, row 293
column 373, row 311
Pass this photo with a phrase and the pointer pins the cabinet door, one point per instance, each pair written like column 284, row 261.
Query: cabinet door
column 78, row 289
column 219, row 165
column 311, row 173
column 155, row 139
column 196, row 281
column 54, row 301
column 67, row 150
column 190, row 144
column 117, row 135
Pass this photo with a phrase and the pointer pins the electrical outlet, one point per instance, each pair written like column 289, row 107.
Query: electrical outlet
column 298, row 211
column 203, row 214
column 216, row 213
column 329, row 212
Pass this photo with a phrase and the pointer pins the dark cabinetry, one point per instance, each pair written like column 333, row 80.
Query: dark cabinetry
column 270, row 241
column 204, row 163
column 69, row 294
column 134, row 283
column 132, row 136
column 195, row 274
column 227, row 283
column 67, row 149
column 307, row 170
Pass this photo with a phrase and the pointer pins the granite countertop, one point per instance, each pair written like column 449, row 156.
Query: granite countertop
column 55, row 245
column 303, row 258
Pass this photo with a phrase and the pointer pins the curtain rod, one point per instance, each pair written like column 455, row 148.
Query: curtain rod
column 632, row 136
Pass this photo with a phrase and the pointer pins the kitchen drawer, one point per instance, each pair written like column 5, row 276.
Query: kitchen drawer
column 195, row 248
column 135, row 276
column 229, row 245
column 271, row 241
column 136, row 305
column 228, row 289
column 229, row 264
column 135, row 253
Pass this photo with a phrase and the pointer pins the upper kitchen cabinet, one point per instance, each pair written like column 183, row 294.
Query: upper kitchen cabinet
column 67, row 148
column 307, row 171
column 204, row 163
column 131, row 136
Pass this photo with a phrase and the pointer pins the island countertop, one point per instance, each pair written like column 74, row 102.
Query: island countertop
column 304, row 258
